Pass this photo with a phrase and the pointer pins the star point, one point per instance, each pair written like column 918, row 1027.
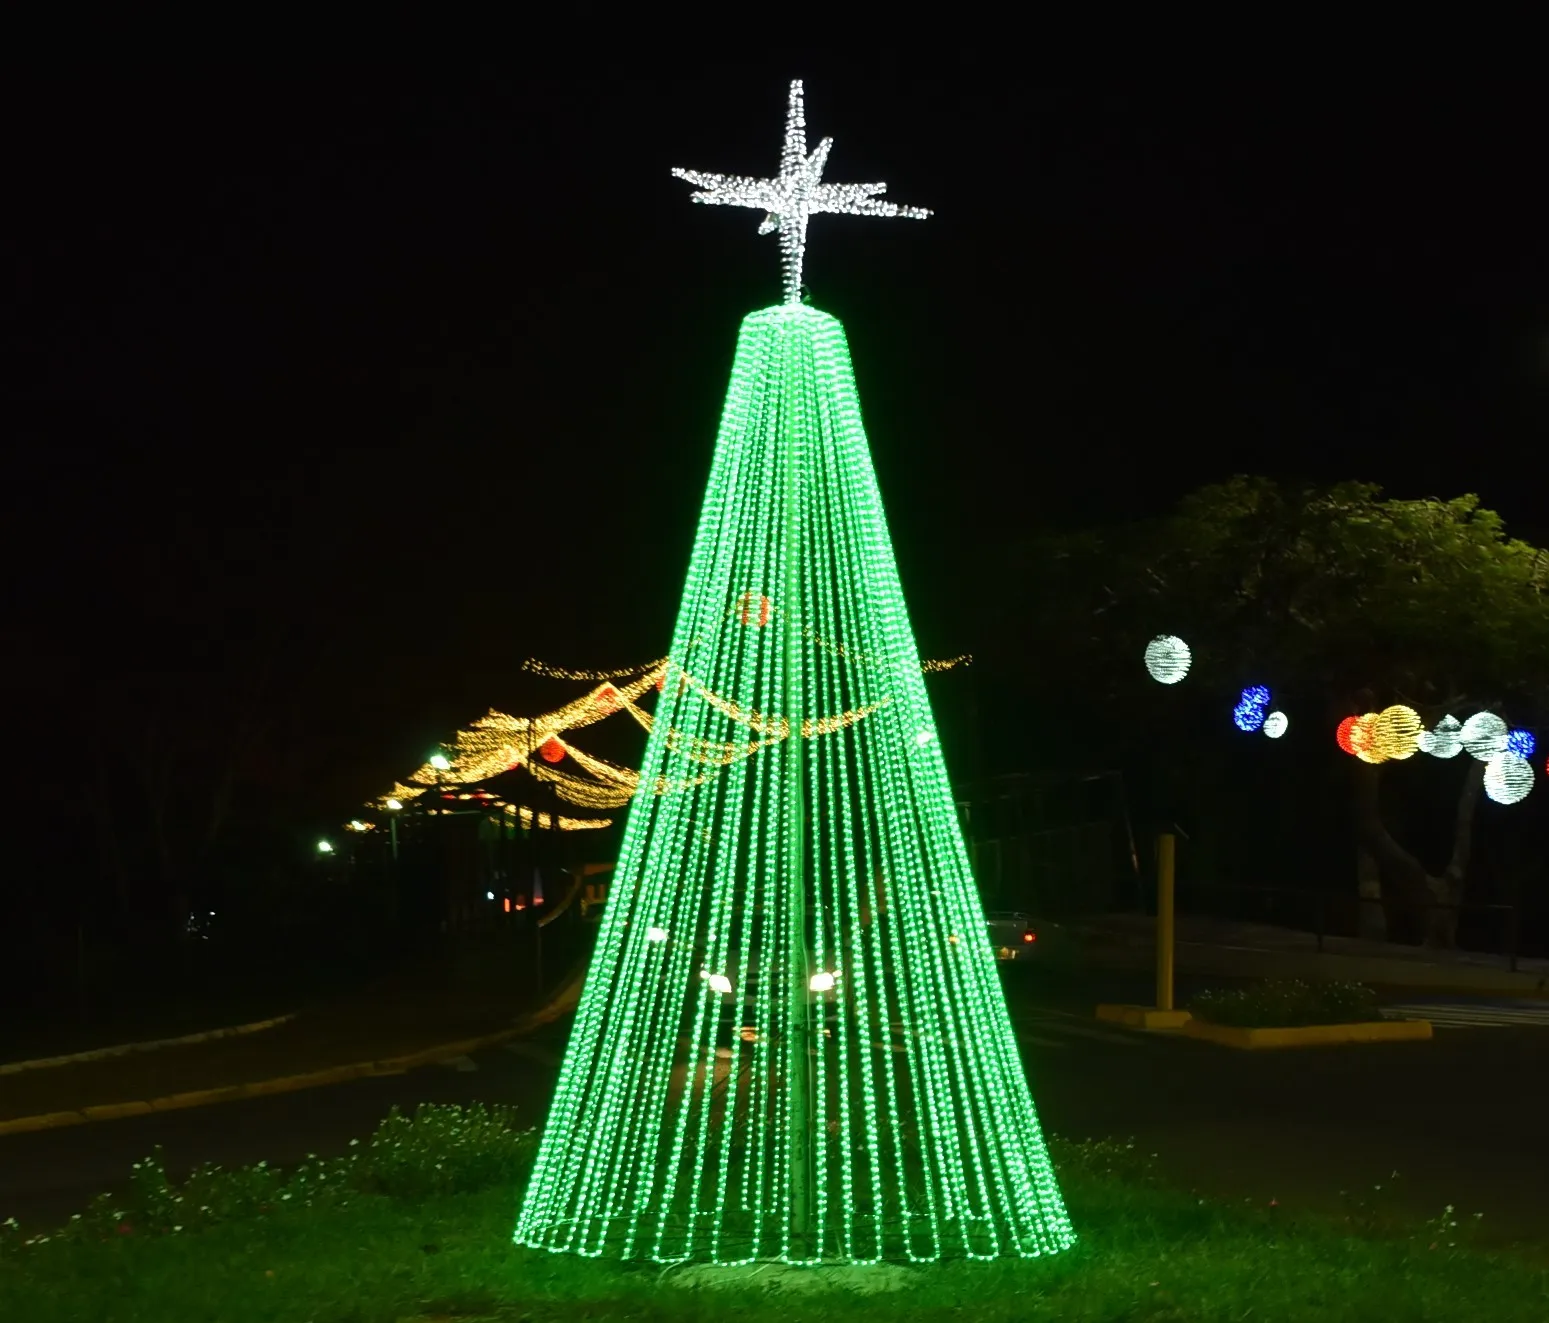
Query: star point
column 795, row 194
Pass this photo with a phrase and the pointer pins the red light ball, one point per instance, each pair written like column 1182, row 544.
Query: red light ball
column 551, row 750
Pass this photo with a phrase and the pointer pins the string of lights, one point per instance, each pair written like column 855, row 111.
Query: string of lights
column 543, row 668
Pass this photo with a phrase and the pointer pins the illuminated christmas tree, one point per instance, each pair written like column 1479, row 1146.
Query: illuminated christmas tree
column 792, row 1043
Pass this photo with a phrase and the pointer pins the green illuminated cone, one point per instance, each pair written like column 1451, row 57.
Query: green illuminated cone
column 795, row 829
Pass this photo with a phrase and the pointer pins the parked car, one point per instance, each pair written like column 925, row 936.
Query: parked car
column 1011, row 934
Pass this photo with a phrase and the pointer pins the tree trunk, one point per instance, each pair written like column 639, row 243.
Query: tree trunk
column 1435, row 898
column 1447, row 890
column 1372, row 919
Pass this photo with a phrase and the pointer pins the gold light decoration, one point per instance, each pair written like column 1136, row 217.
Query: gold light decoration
column 498, row 742
column 562, row 673
column 1396, row 733
column 1363, row 739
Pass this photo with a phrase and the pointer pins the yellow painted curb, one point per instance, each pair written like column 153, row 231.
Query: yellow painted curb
column 1143, row 1017
column 149, row 1045
column 1311, row 1035
column 112, row 1111
column 268, row 1088
column 48, row 1121
column 292, row 1083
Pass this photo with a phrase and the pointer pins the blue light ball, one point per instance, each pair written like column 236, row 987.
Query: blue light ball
column 1521, row 743
column 1248, row 716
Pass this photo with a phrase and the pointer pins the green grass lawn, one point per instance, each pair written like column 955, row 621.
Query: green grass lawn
column 1147, row 1252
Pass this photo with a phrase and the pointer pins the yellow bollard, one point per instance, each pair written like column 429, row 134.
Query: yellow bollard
column 1164, row 921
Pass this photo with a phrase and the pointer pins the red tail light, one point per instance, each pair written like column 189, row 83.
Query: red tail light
column 1029, row 937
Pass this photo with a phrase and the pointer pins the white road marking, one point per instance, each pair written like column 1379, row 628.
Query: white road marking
column 1452, row 1015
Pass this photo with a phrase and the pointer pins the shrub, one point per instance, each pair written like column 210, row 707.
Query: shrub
column 1283, row 1004
column 446, row 1149
column 438, row 1150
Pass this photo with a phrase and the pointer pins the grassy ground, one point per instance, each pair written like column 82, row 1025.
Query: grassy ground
column 1147, row 1253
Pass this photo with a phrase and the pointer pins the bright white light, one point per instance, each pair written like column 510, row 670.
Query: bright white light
column 1484, row 735
column 821, row 982
column 656, row 934
column 795, row 193
column 1275, row 724
column 441, row 762
column 924, row 737
column 1168, row 659
column 1508, row 778
column 1446, row 741
column 489, row 895
column 720, row 983
column 394, row 805
column 357, row 825
column 325, row 847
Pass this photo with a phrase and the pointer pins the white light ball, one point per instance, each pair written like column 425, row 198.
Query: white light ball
column 1484, row 735
column 1508, row 778
column 1168, row 659
column 1446, row 741
column 1275, row 724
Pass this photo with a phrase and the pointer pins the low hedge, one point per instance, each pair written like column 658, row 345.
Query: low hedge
column 1287, row 1003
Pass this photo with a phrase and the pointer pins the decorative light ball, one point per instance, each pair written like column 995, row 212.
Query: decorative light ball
column 1250, row 711
column 1521, row 743
column 1343, row 733
column 1484, row 735
column 1275, row 724
column 1363, row 739
column 755, row 610
column 1508, row 778
column 1426, row 742
column 1447, row 739
column 1396, row 733
column 608, row 698
column 1168, row 658
column 551, row 750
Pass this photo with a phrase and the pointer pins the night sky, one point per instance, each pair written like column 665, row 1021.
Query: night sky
column 358, row 392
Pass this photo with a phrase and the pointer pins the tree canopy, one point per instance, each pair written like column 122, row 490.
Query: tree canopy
column 1339, row 599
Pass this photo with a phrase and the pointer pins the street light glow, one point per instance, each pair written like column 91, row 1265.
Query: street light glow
column 440, row 762
column 325, row 847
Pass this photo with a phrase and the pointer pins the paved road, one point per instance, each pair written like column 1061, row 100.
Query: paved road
column 1461, row 1117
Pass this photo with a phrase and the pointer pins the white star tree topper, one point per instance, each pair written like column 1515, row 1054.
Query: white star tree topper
column 795, row 193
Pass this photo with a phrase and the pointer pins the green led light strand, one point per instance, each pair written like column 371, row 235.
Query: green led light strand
column 712, row 1105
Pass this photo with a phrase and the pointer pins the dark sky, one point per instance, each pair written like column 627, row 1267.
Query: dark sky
column 398, row 381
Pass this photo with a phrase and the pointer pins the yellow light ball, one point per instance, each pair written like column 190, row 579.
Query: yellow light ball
column 1396, row 732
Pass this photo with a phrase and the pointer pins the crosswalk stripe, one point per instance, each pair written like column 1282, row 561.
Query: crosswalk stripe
column 1481, row 1016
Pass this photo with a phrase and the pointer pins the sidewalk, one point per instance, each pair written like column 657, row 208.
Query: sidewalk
column 380, row 1027
column 1226, row 948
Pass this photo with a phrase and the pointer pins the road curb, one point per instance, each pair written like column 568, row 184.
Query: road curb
column 292, row 1083
column 148, row 1045
column 1311, row 1035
